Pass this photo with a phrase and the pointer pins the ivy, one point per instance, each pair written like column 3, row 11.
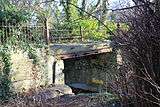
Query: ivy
column 10, row 14
column 32, row 55
column 5, row 81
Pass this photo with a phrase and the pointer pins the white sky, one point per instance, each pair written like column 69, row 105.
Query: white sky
column 113, row 3
column 119, row 3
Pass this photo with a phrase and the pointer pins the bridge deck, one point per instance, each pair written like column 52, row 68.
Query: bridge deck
column 66, row 51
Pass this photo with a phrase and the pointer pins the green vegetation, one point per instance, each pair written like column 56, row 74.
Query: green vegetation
column 5, row 81
column 11, row 14
column 75, row 14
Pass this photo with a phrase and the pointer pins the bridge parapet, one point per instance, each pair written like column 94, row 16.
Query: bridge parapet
column 66, row 51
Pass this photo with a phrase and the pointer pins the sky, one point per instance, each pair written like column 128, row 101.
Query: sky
column 113, row 4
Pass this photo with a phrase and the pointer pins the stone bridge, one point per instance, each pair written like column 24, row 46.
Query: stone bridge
column 89, row 63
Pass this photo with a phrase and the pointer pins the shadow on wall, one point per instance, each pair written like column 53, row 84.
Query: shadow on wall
column 93, row 70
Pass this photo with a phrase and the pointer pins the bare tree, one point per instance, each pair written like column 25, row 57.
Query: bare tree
column 138, row 81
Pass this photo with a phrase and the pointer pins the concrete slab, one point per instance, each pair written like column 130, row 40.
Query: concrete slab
column 66, row 51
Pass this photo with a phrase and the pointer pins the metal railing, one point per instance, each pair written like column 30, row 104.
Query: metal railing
column 25, row 33
column 65, row 35
column 37, row 34
column 41, row 34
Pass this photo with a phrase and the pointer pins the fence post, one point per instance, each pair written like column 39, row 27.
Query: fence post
column 81, row 33
column 49, row 58
column 47, row 38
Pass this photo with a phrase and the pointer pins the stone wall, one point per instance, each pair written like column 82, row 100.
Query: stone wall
column 24, row 74
column 94, row 69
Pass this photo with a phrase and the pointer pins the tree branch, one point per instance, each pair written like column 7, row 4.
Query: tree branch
column 132, row 7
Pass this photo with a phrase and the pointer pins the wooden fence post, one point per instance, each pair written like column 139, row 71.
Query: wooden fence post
column 49, row 58
column 47, row 38
column 81, row 33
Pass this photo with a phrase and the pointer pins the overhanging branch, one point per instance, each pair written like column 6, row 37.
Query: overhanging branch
column 132, row 7
column 110, row 31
